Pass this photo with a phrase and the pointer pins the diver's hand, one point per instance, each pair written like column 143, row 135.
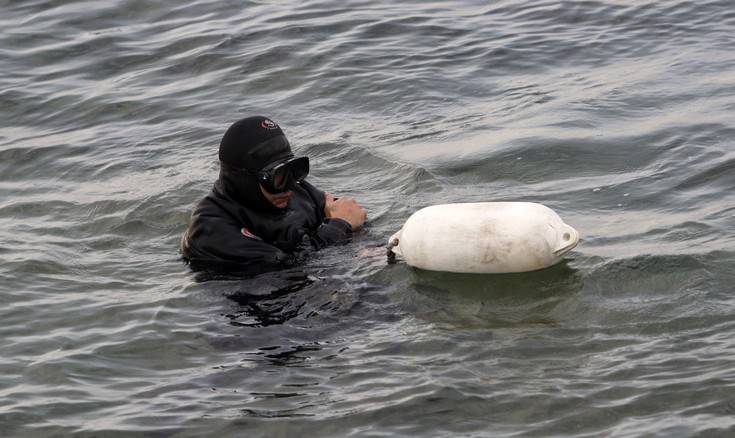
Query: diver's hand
column 346, row 209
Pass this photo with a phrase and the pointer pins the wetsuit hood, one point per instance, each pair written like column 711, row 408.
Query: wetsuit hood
column 248, row 146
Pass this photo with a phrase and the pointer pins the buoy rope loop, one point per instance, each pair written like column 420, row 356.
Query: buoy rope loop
column 389, row 253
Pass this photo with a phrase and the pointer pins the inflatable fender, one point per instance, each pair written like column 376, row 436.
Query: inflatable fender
column 484, row 237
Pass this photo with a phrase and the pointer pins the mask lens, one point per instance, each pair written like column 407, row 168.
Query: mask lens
column 281, row 177
column 299, row 168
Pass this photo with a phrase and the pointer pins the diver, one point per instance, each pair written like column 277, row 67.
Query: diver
column 262, row 214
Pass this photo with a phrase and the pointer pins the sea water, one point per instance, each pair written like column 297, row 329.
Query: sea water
column 618, row 114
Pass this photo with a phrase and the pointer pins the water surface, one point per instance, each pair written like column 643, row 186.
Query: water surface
column 617, row 114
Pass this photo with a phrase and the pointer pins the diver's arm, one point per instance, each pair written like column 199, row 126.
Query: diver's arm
column 302, row 240
column 334, row 227
column 332, row 231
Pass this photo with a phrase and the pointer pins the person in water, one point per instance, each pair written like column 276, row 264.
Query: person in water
column 261, row 212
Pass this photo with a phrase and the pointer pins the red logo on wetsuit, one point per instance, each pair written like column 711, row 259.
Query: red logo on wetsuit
column 268, row 124
column 245, row 232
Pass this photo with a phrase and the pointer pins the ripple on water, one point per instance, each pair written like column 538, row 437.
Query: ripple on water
column 617, row 115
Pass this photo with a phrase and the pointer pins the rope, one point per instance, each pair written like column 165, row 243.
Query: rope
column 389, row 253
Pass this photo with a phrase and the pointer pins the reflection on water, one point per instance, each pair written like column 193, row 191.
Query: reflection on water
column 287, row 356
column 269, row 299
column 488, row 301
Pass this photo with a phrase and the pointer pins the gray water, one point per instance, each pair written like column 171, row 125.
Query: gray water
column 618, row 114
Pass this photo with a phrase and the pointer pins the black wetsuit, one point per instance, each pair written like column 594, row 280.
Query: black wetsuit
column 234, row 228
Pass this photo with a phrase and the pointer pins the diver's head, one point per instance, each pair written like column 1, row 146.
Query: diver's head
column 258, row 168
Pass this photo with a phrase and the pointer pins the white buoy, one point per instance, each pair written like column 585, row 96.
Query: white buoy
column 485, row 237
